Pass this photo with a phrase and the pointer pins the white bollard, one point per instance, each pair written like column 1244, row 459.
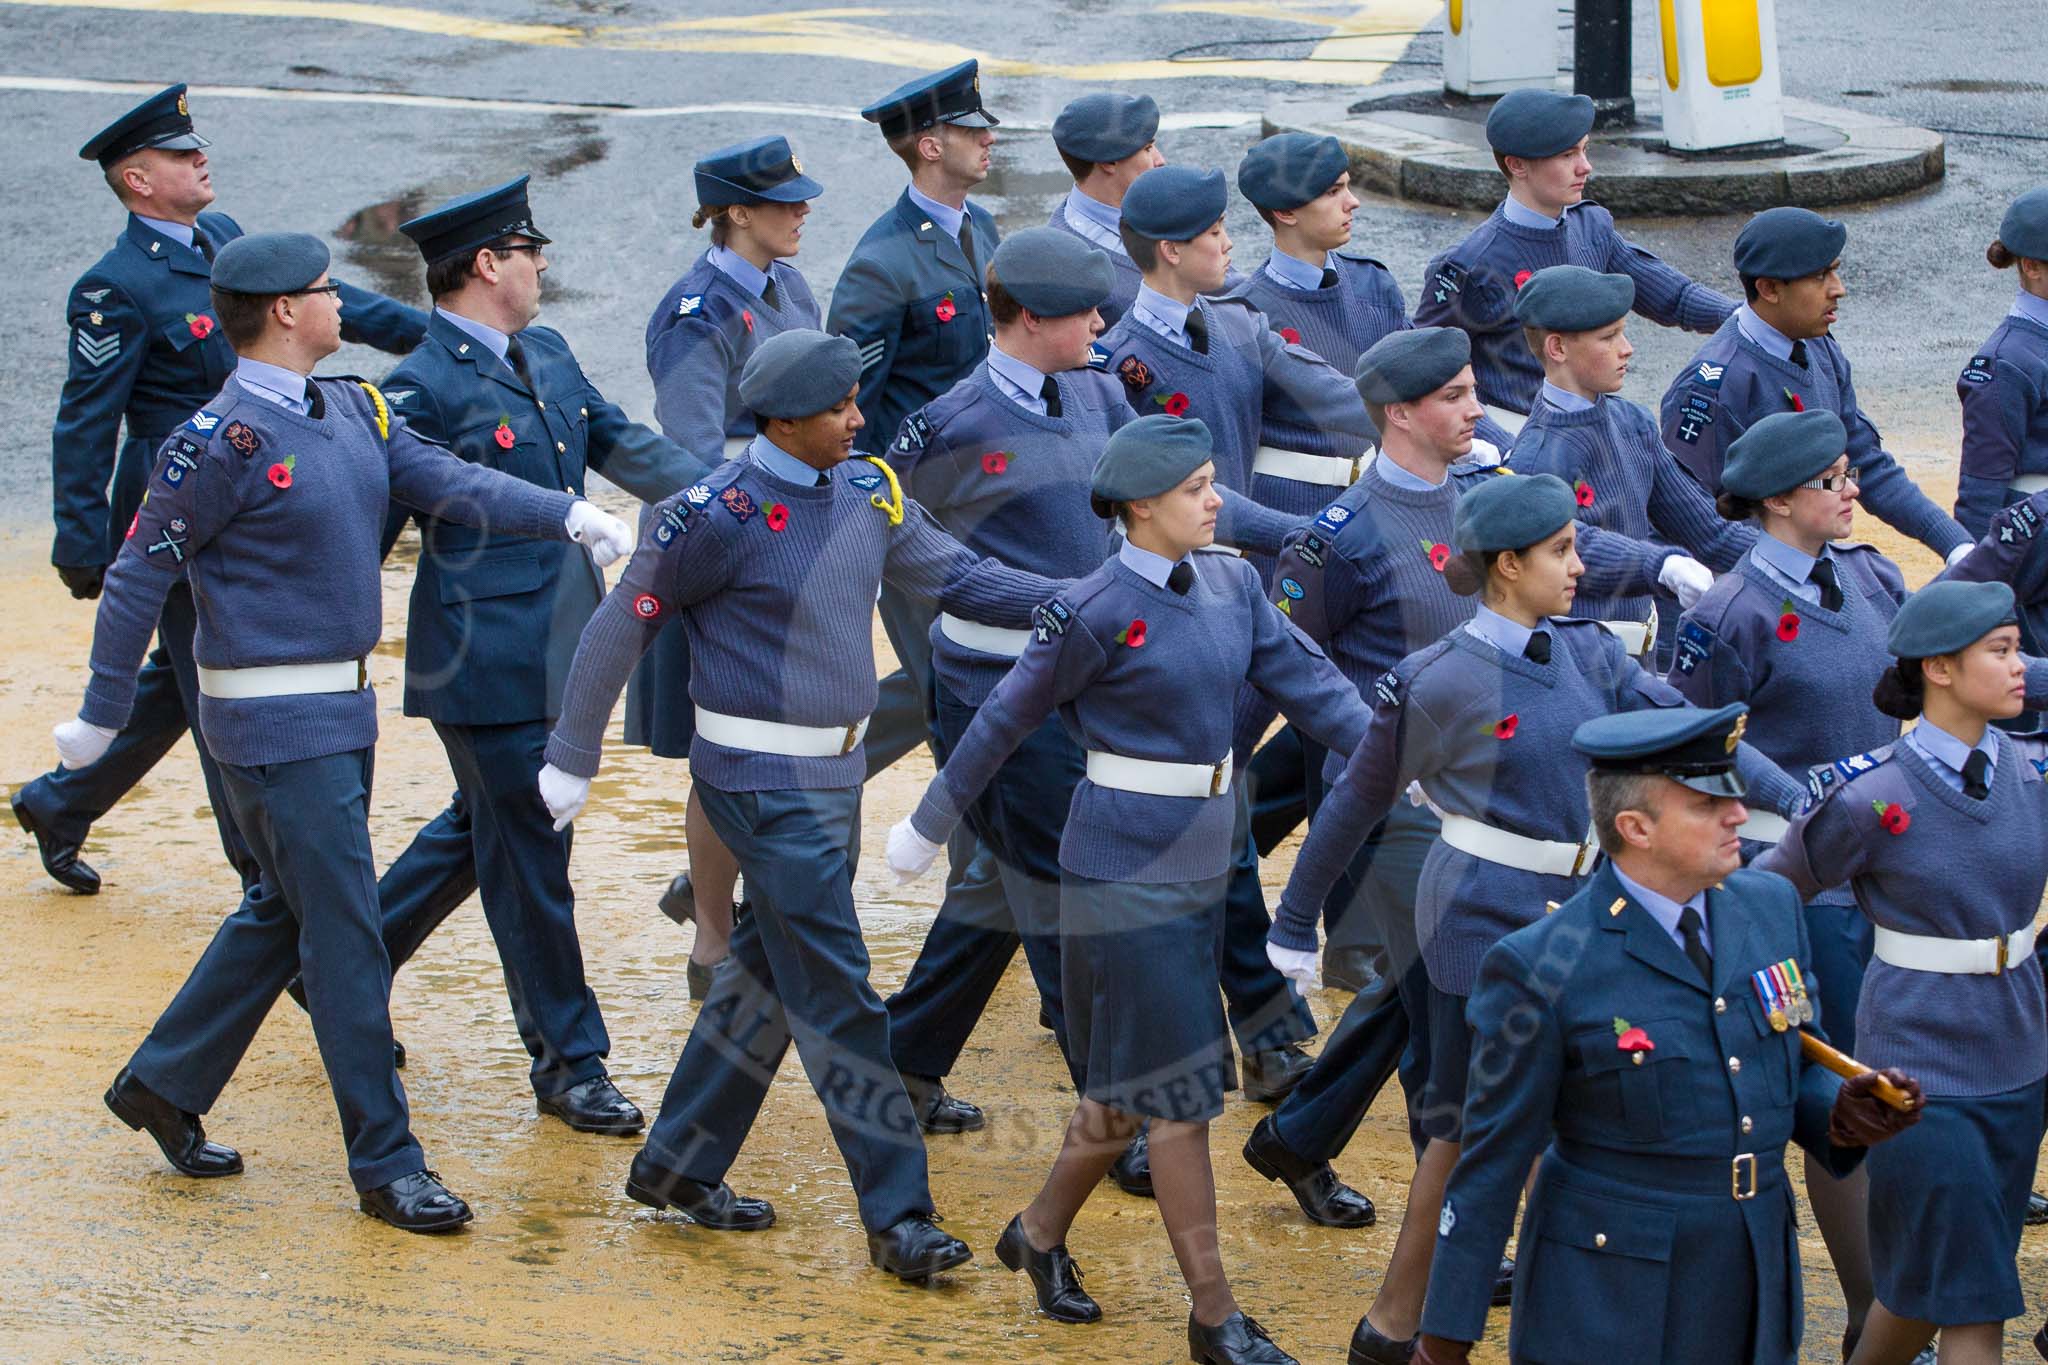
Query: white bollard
column 1494, row 46
column 1719, row 73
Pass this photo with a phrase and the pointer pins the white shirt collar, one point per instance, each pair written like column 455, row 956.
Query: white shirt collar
column 1762, row 333
column 738, row 269
column 286, row 388
column 493, row 340
column 1146, row 565
column 1564, row 400
column 1294, row 272
column 945, row 216
column 1521, row 215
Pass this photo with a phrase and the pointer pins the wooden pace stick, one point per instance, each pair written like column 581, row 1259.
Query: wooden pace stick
column 1845, row 1066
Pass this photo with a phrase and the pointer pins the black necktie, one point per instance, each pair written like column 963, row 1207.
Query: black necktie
column 771, row 297
column 1197, row 328
column 1538, row 647
column 201, row 243
column 1050, row 392
column 515, row 356
column 1799, row 354
column 1689, row 939
column 1823, row 573
column 1977, row 775
column 1329, row 278
column 967, row 240
column 1181, row 577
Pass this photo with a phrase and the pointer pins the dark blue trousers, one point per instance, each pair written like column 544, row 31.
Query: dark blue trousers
column 798, row 973
column 311, row 913
column 1019, row 820
column 1276, row 783
column 67, row 801
column 1264, row 1009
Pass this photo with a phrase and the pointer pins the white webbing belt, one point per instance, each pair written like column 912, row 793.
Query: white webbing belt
column 2029, row 483
column 1549, row 857
column 1154, row 777
column 1956, row 956
column 1511, row 420
column 988, row 639
column 774, row 737
column 284, row 680
column 1636, row 637
column 1332, row 471
column 1765, row 826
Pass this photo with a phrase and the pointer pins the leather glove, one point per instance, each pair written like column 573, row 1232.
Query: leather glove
column 910, row 853
column 1296, row 964
column 84, row 580
column 1960, row 553
column 608, row 539
column 80, row 744
column 1687, row 579
column 1861, row 1119
column 564, row 794
column 1431, row 1350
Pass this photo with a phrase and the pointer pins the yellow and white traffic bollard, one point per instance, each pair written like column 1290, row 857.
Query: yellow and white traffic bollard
column 1494, row 46
column 1720, row 73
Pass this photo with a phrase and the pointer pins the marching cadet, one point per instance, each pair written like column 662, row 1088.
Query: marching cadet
column 1107, row 141
column 1955, row 992
column 1539, row 143
column 773, row 563
column 270, row 502
column 741, row 290
column 1003, row 462
column 1776, row 353
column 1482, row 721
column 2004, row 388
column 146, row 350
column 1640, row 1040
column 1143, row 659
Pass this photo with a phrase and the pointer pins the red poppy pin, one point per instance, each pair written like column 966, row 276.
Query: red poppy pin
column 1798, row 405
column 945, row 312
column 1438, row 552
column 280, row 474
column 504, row 435
column 201, row 325
column 747, row 316
column 1582, row 493
column 1504, row 728
column 1522, row 277
column 778, row 517
column 1176, row 404
column 1628, row 1038
column 1788, row 621
column 995, row 462
column 1893, row 816
column 1290, row 336
column 133, row 522
column 1133, row 634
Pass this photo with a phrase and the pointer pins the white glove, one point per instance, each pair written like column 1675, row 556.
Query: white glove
column 609, row 538
column 1304, row 966
column 1687, row 578
column 564, row 794
column 1961, row 553
column 80, row 744
column 910, row 853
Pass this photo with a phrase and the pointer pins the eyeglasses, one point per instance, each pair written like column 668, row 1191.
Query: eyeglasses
column 1833, row 483
column 535, row 247
column 331, row 287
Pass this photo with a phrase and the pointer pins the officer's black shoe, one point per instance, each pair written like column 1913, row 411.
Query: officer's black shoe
column 594, row 1106
column 416, row 1203
column 1237, row 1340
column 711, row 1206
column 1271, row 1075
column 180, row 1134
column 1371, row 1346
column 1348, row 969
column 1045, row 1018
column 296, row 989
column 679, row 902
column 2037, row 1209
column 939, row 1112
column 698, row 974
column 1504, row 1283
column 60, row 859
column 1322, row 1196
column 913, row 1248
column 1132, row 1170
column 2041, row 1341
column 1053, row 1275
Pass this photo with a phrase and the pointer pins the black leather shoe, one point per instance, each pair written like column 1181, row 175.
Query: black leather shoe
column 1504, row 1283
column 296, row 989
column 1322, row 1196
column 180, row 1134
column 1271, row 1075
column 2037, row 1210
column 679, row 902
column 1348, row 969
column 60, row 859
column 2041, row 1341
column 1371, row 1346
column 1053, row 1275
column 416, row 1203
column 1132, row 1170
column 1045, row 1018
column 939, row 1112
column 914, row 1249
column 594, row 1106
column 1237, row 1340
column 710, row 1206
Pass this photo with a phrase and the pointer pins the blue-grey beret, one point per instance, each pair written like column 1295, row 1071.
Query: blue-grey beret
column 1289, row 169
column 949, row 96
column 1948, row 616
column 1148, row 457
column 1053, row 273
column 764, row 170
column 1779, row 452
column 1175, row 203
column 1405, row 365
column 1512, row 513
column 1571, row 298
column 2024, row 229
column 799, row 374
column 1693, row 748
column 1535, row 123
column 1788, row 243
column 269, row 263
column 462, row 225
column 1105, row 126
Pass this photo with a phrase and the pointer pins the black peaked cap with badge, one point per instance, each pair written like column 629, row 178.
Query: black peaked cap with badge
column 473, row 221
column 1692, row 747
column 950, row 96
column 164, row 121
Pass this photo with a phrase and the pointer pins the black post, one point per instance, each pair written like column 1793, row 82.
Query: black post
column 1602, row 60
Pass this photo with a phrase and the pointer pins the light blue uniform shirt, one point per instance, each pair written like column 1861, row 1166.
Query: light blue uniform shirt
column 1564, row 400
column 1402, row 478
column 1100, row 223
column 1299, row 274
column 1022, row 384
column 1665, row 910
column 1762, row 333
column 181, row 233
column 1787, row 566
column 1521, row 215
column 1946, row 754
column 1168, row 317
column 945, row 216
column 1146, row 565
column 784, row 465
column 738, row 269
column 273, row 384
column 1510, row 637
column 493, row 340
column 2031, row 307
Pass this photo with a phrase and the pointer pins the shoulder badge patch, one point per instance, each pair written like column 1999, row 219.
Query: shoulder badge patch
column 1978, row 371
column 674, row 522
column 688, row 304
column 1450, row 278
column 1309, row 550
column 738, row 503
column 866, row 483
column 97, row 349
column 2019, row 521
column 203, row 421
column 1695, row 646
column 399, row 396
column 1331, row 519
column 1135, row 373
column 94, row 295
column 1709, row 374
column 181, row 460
column 1050, row 619
column 1388, row 689
column 916, row 433
column 697, row 494
column 243, row 439
column 1098, row 356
